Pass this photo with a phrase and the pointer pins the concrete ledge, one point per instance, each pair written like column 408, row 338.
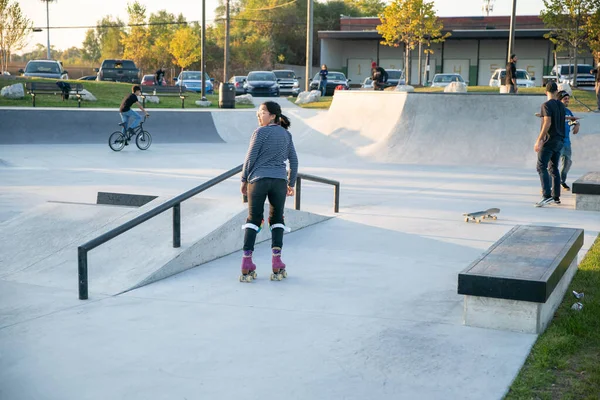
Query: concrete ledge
column 123, row 199
column 526, row 264
column 587, row 192
column 515, row 315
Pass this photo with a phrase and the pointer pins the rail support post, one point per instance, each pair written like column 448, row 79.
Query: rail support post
column 83, row 275
column 177, row 225
column 336, row 198
column 298, row 193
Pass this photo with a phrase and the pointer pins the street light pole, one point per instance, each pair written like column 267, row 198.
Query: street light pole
column 203, row 64
column 48, row 29
column 309, row 44
column 511, row 37
column 226, row 55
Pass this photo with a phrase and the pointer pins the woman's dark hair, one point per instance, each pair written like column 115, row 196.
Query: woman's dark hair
column 284, row 122
column 275, row 109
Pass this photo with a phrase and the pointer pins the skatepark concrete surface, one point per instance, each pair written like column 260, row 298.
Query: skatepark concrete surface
column 370, row 308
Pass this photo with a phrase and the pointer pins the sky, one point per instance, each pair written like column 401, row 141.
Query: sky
column 69, row 13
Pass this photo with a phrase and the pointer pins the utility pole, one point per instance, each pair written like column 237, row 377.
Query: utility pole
column 511, row 38
column 48, row 29
column 226, row 56
column 309, row 44
column 203, row 65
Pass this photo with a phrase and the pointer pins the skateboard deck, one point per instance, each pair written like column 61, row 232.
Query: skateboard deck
column 477, row 216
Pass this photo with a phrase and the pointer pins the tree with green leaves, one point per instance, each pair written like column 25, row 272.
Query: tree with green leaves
column 367, row 8
column 162, row 26
column 90, row 50
column 108, row 34
column 14, row 30
column 185, row 47
column 136, row 40
column 592, row 28
column 567, row 20
column 410, row 23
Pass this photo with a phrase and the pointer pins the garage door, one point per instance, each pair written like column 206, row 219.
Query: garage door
column 358, row 70
column 487, row 68
column 460, row 67
column 535, row 69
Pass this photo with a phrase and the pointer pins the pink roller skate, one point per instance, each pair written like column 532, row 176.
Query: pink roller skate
column 279, row 271
column 248, row 267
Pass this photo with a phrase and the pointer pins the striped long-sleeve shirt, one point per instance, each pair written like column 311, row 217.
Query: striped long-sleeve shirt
column 270, row 147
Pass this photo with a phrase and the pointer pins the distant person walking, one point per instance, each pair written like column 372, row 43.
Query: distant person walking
column 511, row 75
column 160, row 75
column 549, row 144
column 379, row 76
column 264, row 176
column 127, row 113
column 323, row 79
column 596, row 71
column 565, row 154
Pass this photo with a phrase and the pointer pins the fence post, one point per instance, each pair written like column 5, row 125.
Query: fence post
column 83, row 276
column 177, row 225
column 298, row 193
column 336, row 198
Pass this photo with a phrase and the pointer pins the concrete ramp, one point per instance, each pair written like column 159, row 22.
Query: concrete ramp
column 449, row 129
column 40, row 247
column 94, row 126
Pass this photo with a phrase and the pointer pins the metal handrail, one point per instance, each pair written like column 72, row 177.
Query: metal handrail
column 175, row 204
column 336, row 190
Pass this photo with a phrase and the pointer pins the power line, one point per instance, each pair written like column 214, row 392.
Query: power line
column 270, row 8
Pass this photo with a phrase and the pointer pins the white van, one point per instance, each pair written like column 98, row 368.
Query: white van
column 523, row 78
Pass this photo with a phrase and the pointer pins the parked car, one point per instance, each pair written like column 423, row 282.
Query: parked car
column 288, row 82
column 563, row 73
column 150, row 80
column 333, row 80
column 367, row 84
column 87, row 78
column 262, row 83
column 118, row 71
column 238, row 82
column 192, row 80
column 523, row 78
column 443, row 80
column 395, row 77
column 45, row 69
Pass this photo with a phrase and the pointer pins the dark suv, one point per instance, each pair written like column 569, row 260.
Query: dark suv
column 118, row 71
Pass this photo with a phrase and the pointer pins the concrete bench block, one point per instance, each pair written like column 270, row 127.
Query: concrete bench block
column 587, row 192
column 518, row 283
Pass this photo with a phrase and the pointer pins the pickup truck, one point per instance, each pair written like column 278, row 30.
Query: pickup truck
column 118, row 71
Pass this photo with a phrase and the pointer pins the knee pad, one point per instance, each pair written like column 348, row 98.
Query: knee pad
column 280, row 226
column 250, row 225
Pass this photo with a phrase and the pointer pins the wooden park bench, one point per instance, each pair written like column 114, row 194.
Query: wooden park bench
column 519, row 282
column 587, row 192
column 164, row 91
column 51, row 88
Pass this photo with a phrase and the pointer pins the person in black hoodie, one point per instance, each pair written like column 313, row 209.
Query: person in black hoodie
column 379, row 76
column 549, row 144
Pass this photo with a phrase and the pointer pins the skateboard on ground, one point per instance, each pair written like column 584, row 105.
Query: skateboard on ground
column 477, row 216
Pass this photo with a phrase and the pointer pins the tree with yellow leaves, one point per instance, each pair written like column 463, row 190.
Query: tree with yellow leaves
column 412, row 23
column 185, row 47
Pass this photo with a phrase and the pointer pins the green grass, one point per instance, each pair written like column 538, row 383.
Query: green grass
column 324, row 103
column 565, row 361
column 109, row 95
column 586, row 97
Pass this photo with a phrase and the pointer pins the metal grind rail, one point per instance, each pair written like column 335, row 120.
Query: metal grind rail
column 175, row 204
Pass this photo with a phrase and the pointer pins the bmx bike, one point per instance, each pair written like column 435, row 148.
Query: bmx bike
column 119, row 139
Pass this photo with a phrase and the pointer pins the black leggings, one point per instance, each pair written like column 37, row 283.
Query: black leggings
column 275, row 190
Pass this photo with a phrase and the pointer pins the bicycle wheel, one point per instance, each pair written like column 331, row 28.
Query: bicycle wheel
column 116, row 141
column 143, row 140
